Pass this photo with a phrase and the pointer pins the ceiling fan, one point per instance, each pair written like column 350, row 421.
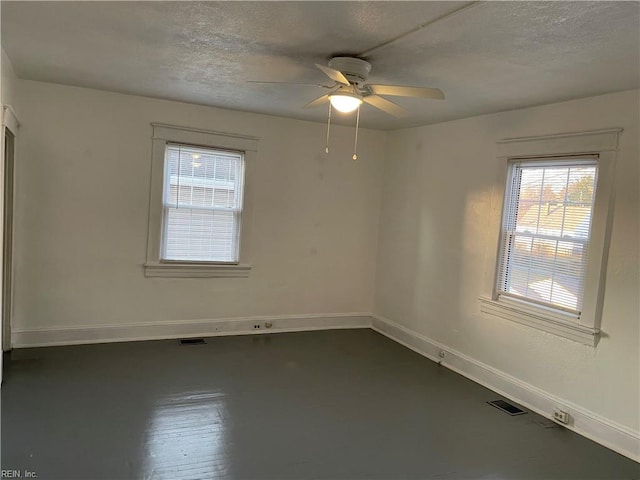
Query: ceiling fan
column 350, row 88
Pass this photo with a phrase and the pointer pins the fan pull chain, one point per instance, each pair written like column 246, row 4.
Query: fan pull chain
column 326, row 149
column 355, row 145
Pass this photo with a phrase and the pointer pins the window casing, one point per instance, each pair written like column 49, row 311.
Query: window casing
column 564, row 235
column 200, row 203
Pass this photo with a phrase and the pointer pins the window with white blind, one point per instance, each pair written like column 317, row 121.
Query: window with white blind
column 200, row 203
column 552, row 233
column 546, row 228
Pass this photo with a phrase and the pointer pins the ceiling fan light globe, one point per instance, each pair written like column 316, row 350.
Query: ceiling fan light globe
column 345, row 103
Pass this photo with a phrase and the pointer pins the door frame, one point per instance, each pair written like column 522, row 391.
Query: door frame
column 10, row 126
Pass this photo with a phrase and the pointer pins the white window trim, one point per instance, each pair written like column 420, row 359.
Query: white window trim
column 585, row 328
column 163, row 134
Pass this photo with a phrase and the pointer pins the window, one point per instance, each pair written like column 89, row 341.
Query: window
column 552, row 233
column 200, row 203
column 545, row 231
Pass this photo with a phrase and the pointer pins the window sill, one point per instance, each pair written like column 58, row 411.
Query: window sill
column 543, row 319
column 196, row 270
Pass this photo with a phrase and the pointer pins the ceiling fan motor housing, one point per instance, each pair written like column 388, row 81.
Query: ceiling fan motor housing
column 355, row 69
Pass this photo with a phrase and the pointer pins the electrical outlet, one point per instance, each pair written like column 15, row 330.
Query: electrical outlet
column 560, row 416
column 268, row 324
column 441, row 353
column 256, row 326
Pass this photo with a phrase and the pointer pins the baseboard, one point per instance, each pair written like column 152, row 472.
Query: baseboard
column 589, row 424
column 46, row 337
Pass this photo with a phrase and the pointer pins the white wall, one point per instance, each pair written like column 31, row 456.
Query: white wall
column 440, row 181
column 82, row 206
column 8, row 79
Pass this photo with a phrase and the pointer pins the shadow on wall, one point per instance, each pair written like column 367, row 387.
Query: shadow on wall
column 421, row 237
column 435, row 230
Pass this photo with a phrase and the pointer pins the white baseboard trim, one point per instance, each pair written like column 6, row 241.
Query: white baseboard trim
column 47, row 337
column 589, row 424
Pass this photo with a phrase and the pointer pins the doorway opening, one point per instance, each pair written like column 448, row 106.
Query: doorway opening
column 7, row 238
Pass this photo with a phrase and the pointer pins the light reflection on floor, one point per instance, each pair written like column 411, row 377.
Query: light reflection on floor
column 185, row 437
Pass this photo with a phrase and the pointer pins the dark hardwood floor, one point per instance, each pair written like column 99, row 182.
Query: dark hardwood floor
column 347, row 404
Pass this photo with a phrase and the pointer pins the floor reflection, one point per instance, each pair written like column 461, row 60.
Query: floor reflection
column 185, row 437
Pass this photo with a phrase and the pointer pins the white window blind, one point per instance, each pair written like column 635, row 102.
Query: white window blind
column 202, row 201
column 546, row 228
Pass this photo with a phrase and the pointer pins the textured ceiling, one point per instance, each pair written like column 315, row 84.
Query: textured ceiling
column 491, row 57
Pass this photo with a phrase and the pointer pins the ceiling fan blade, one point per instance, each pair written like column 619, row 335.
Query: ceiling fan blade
column 289, row 83
column 318, row 101
column 386, row 106
column 333, row 74
column 400, row 91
